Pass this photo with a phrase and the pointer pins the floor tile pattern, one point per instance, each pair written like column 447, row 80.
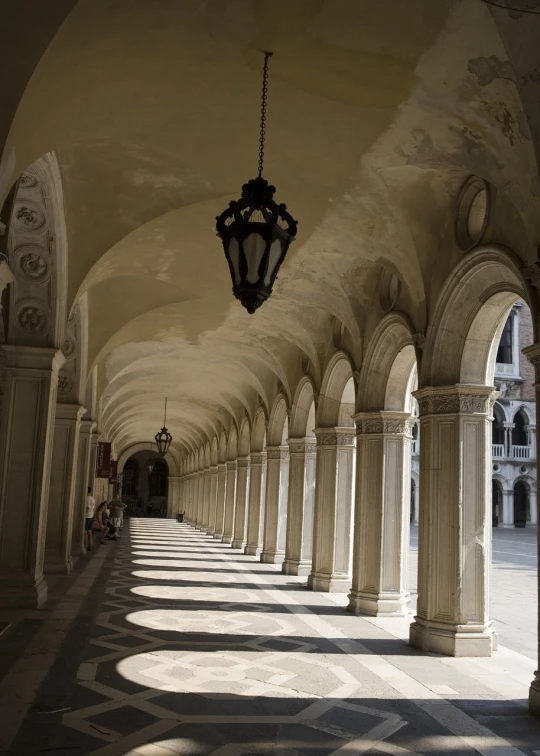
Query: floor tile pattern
column 194, row 648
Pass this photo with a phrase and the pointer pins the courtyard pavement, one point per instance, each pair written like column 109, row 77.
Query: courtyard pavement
column 171, row 643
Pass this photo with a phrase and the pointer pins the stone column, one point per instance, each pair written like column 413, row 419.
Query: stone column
column 78, row 546
column 508, row 509
column 532, row 507
column 26, row 439
column 533, row 355
column 334, row 493
column 277, row 494
column 62, row 490
column 94, row 440
column 256, row 496
column 220, row 503
column 205, row 500
column 191, row 497
column 299, row 543
column 213, row 500
column 454, row 552
column 242, row 485
column 382, row 514
column 230, row 500
column 173, row 496
column 197, row 499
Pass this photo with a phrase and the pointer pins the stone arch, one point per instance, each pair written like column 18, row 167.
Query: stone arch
column 232, row 444
column 522, row 408
column 222, row 448
column 170, row 457
column 278, row 423
column 258, row 434
column 206, row 458
column 214, row 452
column 390, row 360
column 244, row 438
column 338, row 374
column 301, row 409
column 469, row 316
column 38, row 257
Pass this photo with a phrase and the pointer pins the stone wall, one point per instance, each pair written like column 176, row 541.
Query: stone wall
column 526, row 369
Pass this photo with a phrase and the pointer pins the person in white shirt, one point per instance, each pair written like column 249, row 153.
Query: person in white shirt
column 90, row 512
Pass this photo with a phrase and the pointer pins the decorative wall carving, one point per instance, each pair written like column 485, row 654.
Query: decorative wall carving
column 302, row 446
column 32, row 264
column 242, row 462
column 382, row 425
column 276, row 452
column 28, row 181
column 32, row 319
column 231, row 465
column 69, row 349
column 65, row 384
column 28, row 216
column 257, row 458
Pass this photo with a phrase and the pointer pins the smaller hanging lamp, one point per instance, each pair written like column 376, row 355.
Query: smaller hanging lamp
column 256, row 232
column 163, row 438
column 150, row 465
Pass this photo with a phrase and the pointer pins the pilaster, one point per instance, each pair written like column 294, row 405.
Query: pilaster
column 26, row 439
column 454, row 537
column 302, row 465
column 275, row 519
column 242, row 484
column 257, row 493
column 230, row 501
column 334, row 492
column 63, row 485
column 382, row 514
column 78, row 547
column 173, row 496
column 205, row 500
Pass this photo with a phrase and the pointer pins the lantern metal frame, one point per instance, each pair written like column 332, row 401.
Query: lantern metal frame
column 255, row 230
column 163, row 439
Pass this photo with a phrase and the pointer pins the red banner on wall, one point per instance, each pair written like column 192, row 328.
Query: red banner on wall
column 103, row 460
column 113, row 474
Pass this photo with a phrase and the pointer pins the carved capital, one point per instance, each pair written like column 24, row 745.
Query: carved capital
column 335, row 436
column 302, row 446
column 231, row 465
column 381, row 423
column 222, row 467
column 258, row 458
column 451, row 400
column 277, row 452
column 242, row 462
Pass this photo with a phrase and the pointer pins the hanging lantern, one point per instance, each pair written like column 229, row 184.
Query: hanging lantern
column 150, row 465
column 163, row 438
column 256, row 232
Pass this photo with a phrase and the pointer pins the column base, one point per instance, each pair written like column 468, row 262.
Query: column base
column 238, row 543
column 325, row 583
column 379, row 605
column 272, row 557
column 218, row 536
column 54, row 566
column 255, row 551
column 299, row 567
column 534, row 695
column 226, row 539
column 22, row 594
column 210, row 532
column 503, row 525
column 452, row 640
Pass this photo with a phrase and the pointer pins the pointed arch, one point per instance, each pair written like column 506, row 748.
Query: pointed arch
column 278, row 422
column 337, row 375
column 301, row 408
column 232, row 444
column 258, row 434
column 244, row 438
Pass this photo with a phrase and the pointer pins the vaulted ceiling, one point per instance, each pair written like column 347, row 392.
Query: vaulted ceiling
column 378, row 112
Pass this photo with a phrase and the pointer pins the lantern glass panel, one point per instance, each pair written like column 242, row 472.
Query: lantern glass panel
column 254, row 249
column 273, row 260
column 234, row 256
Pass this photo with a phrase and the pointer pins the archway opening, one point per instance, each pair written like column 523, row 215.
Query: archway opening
column 145, row 493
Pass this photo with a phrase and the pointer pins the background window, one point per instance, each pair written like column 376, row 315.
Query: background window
column 504, row 352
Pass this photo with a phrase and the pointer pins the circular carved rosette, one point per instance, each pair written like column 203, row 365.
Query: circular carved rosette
column 33, row 318
column 28, row 216
column 32, row 264
column 65, row 384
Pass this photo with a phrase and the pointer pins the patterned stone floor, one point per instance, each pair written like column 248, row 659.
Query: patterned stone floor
column 184, row 646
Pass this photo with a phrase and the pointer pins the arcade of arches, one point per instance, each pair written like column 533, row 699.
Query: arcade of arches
column 411, row 160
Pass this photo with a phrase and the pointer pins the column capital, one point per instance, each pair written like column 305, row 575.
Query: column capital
column 222, row 467
column 33, row 358
column 232, row 464
column 302, row 446
column 277, row 452
column 214, row 469
column 243, row 462
column 466, row 399
column 258, row 458
column 207, row 472
column 335, row 436
column 384, row 423
column 69, row 411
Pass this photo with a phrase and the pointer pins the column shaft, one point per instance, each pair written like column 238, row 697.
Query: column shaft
column 205, row 500
column 454, row 553
column 382, row 514
column 78, row 546
column 230, row 501
column 298, row 548
column 213, row 500
column 334, row 493
column 26, row 437
column 220, row 503
column 275, row 520
column 242, row 485
column 257, row 482
column 508, row 509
